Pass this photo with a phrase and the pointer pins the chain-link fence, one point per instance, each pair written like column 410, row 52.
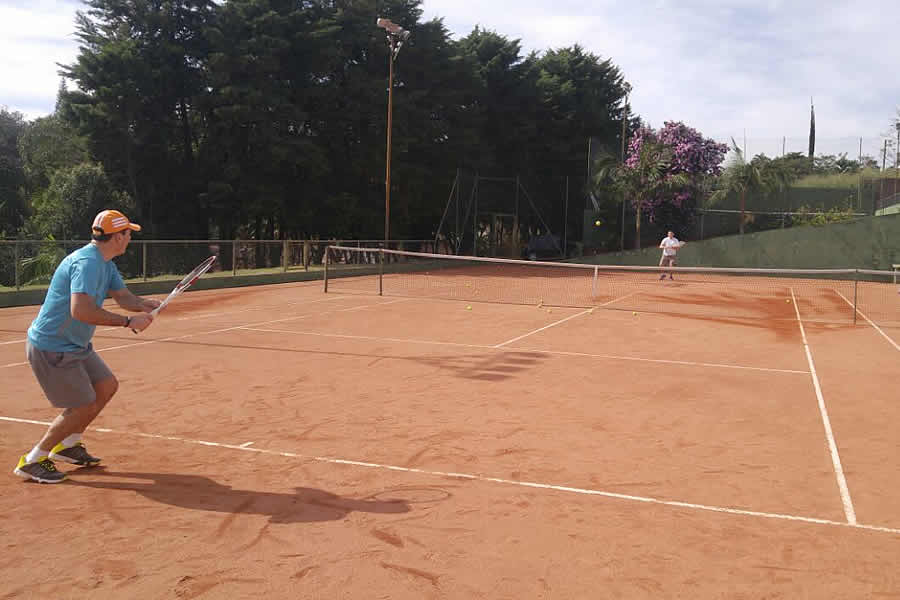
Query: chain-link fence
column 29, row 264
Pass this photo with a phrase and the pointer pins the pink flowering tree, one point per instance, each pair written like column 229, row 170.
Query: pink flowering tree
column 664, row 170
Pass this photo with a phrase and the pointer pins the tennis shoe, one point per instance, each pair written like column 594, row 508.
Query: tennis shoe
column 74, row 455
column 42, row 471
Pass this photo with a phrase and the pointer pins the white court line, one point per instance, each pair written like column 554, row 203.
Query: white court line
column 564, row 320
column 516, row 339
column 486, row 479
column 536, row 351
column 190, row 335
column 877, row 328
column 832, row 445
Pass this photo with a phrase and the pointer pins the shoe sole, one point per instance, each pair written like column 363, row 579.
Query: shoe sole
column 72, row 461
column 25, row 475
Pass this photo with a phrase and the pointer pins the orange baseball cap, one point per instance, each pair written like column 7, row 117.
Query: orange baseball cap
column 112, row 221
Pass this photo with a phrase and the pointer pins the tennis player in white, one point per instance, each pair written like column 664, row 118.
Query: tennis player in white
column 670, row 246
column 72, row 375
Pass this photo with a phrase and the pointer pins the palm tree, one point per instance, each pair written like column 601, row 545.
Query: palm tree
column 740, row 177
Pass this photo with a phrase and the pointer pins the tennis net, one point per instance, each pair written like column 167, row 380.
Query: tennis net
column 826, row 295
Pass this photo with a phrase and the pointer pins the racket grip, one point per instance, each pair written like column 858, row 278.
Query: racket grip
column 134, row 331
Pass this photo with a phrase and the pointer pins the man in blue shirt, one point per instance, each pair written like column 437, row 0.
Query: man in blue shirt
column 59, row 349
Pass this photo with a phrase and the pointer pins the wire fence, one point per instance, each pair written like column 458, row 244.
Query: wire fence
column 31, row 263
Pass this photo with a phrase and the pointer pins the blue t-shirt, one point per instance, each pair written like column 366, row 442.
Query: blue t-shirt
column 85, row 272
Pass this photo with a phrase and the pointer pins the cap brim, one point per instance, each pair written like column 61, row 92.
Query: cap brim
column 134, row 227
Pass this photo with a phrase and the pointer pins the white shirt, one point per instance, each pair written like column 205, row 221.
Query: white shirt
column 670, row 245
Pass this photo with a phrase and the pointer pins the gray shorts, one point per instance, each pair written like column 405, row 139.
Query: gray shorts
column 68, row 378
column 667, row 261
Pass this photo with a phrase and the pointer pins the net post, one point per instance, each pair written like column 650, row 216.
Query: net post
column 234, row 258
column 325, row 277
column 855, row 294
column 144, row 258
column 594, row 283
column 16, row 264
column 306, row 255
column 380, row 271
column 284, row 255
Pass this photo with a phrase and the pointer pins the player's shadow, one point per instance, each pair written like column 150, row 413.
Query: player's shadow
column 196, row 492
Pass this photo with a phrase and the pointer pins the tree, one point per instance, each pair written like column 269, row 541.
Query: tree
column 75, row 195
column 12, row 175
column 140, row 75
column 646, row 178
column 47, row 144
column 666, row 178
column 740, row 177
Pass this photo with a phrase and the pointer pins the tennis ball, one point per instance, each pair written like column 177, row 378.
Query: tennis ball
column 634, row 313
column 788, row 300
column 598, row 223
column 548, row 310
column 468, row 308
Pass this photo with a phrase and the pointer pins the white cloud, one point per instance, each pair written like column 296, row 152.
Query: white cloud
column 32, row 41
column 727, row 66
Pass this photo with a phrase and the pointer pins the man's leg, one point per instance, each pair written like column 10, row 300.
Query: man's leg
column 70, row 448
column 79, row 383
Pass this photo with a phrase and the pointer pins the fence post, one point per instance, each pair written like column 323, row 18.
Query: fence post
column 325, row 277
column 381, row 272
column 144, row 252
column 284, row 255
column 16, row 259
column 234, row 258
column 306, row 255
column 855, row 296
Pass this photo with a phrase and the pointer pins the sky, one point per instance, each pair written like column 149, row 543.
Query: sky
column 729, row 68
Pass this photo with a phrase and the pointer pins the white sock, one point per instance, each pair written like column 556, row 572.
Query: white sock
column 71, row 440
column 35, row 455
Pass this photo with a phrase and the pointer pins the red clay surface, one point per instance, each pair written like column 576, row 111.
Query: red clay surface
column 281, row 442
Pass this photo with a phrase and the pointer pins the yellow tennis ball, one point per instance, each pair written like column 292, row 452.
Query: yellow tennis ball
column 468, row 308
column 788, row 300
column 598, row 223
column 548, row 310
column 634, row 313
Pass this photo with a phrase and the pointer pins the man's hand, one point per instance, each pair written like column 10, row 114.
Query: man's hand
column 140, row 322
column 148, row 304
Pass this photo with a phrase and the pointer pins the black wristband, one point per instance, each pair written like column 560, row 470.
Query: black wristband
column 127, row 322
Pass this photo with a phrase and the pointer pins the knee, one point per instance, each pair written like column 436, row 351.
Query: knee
column 106, row 389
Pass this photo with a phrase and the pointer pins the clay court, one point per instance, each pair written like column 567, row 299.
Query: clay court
column 702, row 441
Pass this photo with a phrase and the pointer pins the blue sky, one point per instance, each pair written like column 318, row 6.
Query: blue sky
column 725, row 67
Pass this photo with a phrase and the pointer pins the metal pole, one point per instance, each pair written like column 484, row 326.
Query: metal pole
column 624, row 134
column 325, row 277
column 144, row 252
column 566, row 220
column 855, row 296
column 234, row 258
column 16, row 259
column 381, row 272
column 475, row 221
column 390, row 118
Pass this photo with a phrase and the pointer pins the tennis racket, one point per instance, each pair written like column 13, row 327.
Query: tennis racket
column 184, row 284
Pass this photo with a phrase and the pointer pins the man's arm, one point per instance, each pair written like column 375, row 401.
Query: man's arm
column 129, row 301
column 84, row 309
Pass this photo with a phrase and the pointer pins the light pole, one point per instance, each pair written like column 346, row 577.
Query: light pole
column 396, row 35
